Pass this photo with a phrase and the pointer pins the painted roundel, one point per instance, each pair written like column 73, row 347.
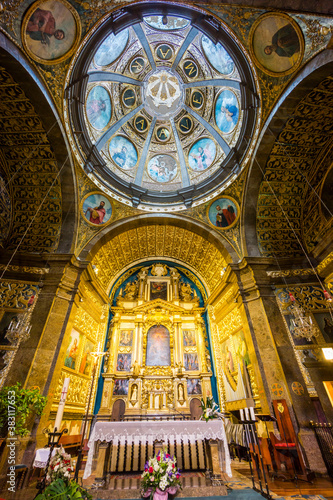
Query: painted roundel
column 98, row 107
column 217, row 56
column 150, row 92
column 111, row 48
column 123, row 152
column 202, row 154
column 226, row 111
column 162, row 168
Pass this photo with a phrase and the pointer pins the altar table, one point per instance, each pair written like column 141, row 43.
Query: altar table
column 127, row 437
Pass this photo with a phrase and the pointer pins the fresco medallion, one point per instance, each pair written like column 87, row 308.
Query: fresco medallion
column 96, row 208
column 202, row 154
column 51, row 31
column 98, row 107
column 223, row 212
column 226, row 111
column 123, row 152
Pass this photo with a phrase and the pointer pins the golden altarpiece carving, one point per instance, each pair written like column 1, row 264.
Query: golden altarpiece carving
column 157, row 359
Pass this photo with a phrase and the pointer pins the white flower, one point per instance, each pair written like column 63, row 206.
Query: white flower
column 156, row 467
column 152, row 478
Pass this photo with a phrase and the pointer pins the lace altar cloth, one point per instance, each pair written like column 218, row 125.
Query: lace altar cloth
column 41, row 457
column 149, row 431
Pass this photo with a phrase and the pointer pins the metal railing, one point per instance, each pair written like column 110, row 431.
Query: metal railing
column 324, row 435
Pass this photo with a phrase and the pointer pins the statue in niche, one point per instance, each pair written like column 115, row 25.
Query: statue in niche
column 179, row 368
column 134, row 392
column 181, row 396
column 130, row 290
column 185, row 292
column 136, row 369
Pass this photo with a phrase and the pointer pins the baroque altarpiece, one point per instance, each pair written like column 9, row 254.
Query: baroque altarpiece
column 157, row 358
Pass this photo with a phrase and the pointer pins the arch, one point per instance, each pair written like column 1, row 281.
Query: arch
column 118, row 410
column 195, row 409
column 47, row 130
column 168, row 238
column 315, row 72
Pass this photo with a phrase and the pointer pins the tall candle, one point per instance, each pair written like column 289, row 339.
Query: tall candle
column 61, row 406
column 253, row 417
column 247, row 415
column 241, row 414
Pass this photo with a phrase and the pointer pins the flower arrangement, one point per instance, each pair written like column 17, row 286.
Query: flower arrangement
column 160, row 476
column 60, row 466
column 210, row 409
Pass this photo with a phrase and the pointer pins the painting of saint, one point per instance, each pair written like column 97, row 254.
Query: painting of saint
column 126, row 338
column 124, row 361
column 162, row 168
column 87, row 359
column 191, row 361
column 228, row 363
column 276, row 43
column 72, row 349
column 97, row 209
column 123, row 152
column 222, row 213
column 158, row 346
column 98, row 107
column 120, row 387
column 226, row 111
column 202, row 154
column 51, row 30
column 325, row 323
column 158, row 290
column 217, row 56
column 241, row 348
column 189, row 338
column 111, row 48
column 172, row 24
column 194, row 386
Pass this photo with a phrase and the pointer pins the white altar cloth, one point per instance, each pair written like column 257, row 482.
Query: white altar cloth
column 148, row 431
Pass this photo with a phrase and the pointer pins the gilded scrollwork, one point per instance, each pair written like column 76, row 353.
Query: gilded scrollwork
column 17, row 295
column 307, row 296
column 77, row 390
column 86, row 324
column 229, row 324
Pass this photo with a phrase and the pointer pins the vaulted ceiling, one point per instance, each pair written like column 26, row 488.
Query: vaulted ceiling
column 159, row 242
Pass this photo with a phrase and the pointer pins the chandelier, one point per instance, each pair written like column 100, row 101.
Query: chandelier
column 301, row 326
column 19, row 328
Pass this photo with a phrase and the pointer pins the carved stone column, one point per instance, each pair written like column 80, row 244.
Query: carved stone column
column 275, row 356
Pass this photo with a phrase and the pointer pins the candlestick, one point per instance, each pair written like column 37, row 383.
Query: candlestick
column 247, row 415
column 253, row 417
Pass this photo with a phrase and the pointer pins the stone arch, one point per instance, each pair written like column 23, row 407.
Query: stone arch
column 277, row 140
column 31, row 119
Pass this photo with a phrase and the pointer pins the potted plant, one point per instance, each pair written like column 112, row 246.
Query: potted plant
column 64, row 489
column 21, row 404
column 160, row 477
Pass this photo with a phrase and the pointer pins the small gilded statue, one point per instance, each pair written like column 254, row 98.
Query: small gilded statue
column 185, row 292
column 130, row 290
column 136, row 369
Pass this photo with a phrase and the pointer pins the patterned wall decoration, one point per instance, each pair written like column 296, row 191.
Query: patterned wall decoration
column 17, row 295
column 159, row 241
column 5, row 206
column 36, row 191
column 297, row 154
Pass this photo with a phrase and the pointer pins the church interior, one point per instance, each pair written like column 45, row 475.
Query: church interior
column 166, row 191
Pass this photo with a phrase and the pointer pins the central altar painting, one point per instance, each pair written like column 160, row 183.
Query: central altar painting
column 158, row 346
column 158, row 359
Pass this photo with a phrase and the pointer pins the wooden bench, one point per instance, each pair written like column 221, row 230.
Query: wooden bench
column 71, row 443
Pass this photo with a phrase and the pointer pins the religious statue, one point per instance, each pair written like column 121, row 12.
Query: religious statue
column 134, row 392
column 185, row 292
column 130, row 290
column 181, row 397
column 136, row 369
column 179, row 368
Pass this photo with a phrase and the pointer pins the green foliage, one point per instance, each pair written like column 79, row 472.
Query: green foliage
column 26, row 402
column 64, row 490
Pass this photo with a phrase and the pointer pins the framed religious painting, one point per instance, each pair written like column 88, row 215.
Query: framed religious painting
column 87, row 359
column 51, row 31
column 191, row 362
column 126, row 338
column 72, row 350
column 96, row 208
column 120, row 387
column 158, row 346
column 325, row 323
column 124, row 361
column 223, row 213
column 159, row 290
column 276, row 44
